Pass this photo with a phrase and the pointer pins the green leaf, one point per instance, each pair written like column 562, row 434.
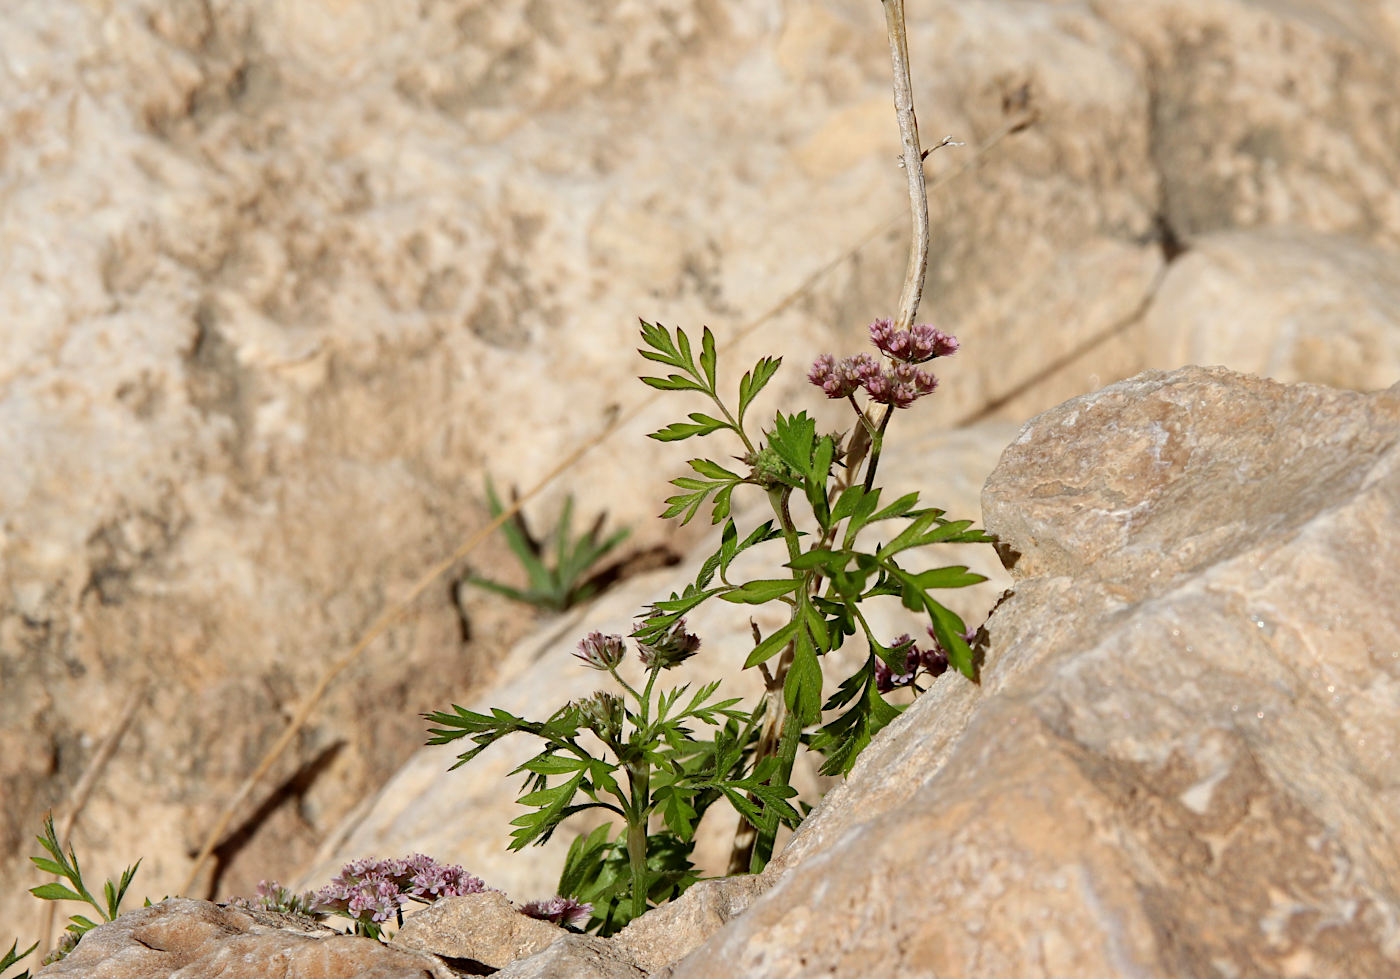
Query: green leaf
column 703, row 425
column 953, row 576
column 948, row 629
column 755, row 381
column 909, row 536
column 707, row 356
column 842, row 740
column 802, row 692
column 549, row 764
column 794, row 439
column 762, row 590
column 819, row 471
column 584, row 861
column 55, row 892
column 770, row 646
column 829, row 562
column 898, row 508
column 11, row 957
column 673, row 382
column 847, row 502
column 713, row 470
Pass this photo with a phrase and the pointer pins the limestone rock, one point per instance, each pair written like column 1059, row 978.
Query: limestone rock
column 283, row 280
column 182, row 939
column 1187, row 767
column 1291, row 306
column 484, row 928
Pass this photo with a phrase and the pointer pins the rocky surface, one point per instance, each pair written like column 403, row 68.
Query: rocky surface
column 182, row 939
column 271, row 271
column 1182, row 759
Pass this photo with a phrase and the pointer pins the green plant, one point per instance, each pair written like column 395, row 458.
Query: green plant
column 825, row 504
column 657, row 766
column 10, row 958
column 555, row 569
column 67, row 868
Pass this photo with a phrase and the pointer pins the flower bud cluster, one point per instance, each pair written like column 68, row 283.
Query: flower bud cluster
column 376, row 890
column 901, row 383
column 600, row 652
column 560, row 910
column 932, row 661
column 672, row 649
column 602, row 714
column 913, row 346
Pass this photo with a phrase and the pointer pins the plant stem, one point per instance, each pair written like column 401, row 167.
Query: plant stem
column 639, row 782
column 877, row 442
column 912, row 161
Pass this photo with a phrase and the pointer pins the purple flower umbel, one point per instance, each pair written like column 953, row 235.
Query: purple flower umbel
column 375, row 890
column 901, row 383
column 560, row 910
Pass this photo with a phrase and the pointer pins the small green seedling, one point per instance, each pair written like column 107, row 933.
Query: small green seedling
column 557, row 570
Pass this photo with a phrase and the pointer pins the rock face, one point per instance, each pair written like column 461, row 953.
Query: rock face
column 182, row 939
column 1183, row 759
column 282, row 280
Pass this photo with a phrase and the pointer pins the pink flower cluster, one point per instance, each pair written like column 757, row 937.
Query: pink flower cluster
column 560, row 910
column 901, row 383
column 932, row 661
column 375, row 890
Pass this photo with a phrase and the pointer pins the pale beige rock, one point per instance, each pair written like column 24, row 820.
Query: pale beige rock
column 281, row 281
column 1192, row 773
column 1290, row 306
column 484, row 928
column 573, row 956
column 181, row 939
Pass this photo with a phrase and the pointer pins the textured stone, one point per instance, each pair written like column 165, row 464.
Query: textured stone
column 1285, row 305
column 484, row 928
column 283, row 280
column 1189, row 772
column 182, row 939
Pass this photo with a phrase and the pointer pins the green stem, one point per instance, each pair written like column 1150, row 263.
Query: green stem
column 877, row 442
column 639, row 781
column 738, row 429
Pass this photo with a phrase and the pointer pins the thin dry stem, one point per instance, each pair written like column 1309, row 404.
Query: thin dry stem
column 912, row 159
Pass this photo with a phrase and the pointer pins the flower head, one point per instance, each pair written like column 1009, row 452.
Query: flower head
column 914, row 345
column 840, row 379
column 375, row 890
column 900, row 385
column 560, row 910
column 602, row 713
column 673, row 648
column 600, row 652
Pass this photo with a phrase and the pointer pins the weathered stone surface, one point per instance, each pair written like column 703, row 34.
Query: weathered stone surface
column 573, row 956
column 484, row 928
column 282, row 280
column 1290, row 306
column 1138, row 522
column 670, row 932
column 1192, row 772
column 182, row 939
